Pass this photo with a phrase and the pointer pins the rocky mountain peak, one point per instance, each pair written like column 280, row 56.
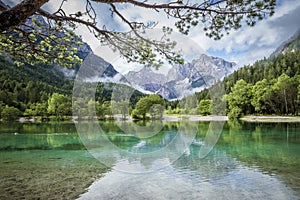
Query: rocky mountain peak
column 182, row 80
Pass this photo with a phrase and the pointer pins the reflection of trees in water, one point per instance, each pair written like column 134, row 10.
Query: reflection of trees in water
column 37, row 128
column 39, row 136
column 271, row 147
column 40, row 142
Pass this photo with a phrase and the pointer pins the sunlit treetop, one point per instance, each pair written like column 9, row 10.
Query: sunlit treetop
column 55, row 41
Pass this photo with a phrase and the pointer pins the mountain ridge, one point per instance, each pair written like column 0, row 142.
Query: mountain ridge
column 182, row 80
column 290, row 44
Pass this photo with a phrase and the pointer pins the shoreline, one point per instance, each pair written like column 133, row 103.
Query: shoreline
column 253, row 118
column 193, row 118
column 166, row 118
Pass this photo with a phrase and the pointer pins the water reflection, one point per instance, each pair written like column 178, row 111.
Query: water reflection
column 255, row 156
column 131, row 148
column 218, row 176
column 273, row 148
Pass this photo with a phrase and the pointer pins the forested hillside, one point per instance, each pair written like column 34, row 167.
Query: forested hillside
column 269, row 86
column 30, row 90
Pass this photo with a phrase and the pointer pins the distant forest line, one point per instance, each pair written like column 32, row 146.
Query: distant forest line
column 269, row 86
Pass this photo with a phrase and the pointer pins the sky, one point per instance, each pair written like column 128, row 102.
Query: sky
column 243, row 46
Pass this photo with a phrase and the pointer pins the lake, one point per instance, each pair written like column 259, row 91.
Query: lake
column 158, row 160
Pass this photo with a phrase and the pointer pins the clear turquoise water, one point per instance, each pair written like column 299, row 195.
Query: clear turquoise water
column 50, row 161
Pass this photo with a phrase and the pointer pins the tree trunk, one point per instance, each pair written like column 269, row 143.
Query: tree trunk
column 18, row 14
column 285, row 101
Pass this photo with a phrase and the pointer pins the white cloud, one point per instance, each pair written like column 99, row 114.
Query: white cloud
column 252, row 43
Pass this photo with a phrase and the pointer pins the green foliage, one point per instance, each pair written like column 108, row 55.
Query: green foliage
column 121, row 107
column 37, row 109
column 10, row 113
column 59, row 105
column 21, row 87
column 145, row 104
column 268, row 69
column 194, row 111
column 284, row 95
column 1, row 108
column 91, row 108
column 274, row 82
column 171, row 110
column 235, row 113
column 189, row 102
column 29, row 88
column 41, row 44
column 218, row 103
column 278, row 96
column 156, row 111
column 240, row 97
column 259, row 95
column 218, row 23
column 205, row 106
column 107, row 108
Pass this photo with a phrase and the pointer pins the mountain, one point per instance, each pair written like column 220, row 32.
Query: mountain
column 93, row 69
column 179, row 81
column 148, row 79
column 84, row 52
column 291, row 44
column 182, row 80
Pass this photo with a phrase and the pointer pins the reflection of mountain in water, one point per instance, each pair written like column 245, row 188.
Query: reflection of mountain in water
column 217, row 164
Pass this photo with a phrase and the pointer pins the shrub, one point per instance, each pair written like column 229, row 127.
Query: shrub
column 235, row 113
column 10, row 113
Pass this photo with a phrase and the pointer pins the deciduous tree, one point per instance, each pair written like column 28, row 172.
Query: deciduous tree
column 205, row 107
column 239, row 99
column 10, row 113
column 147, row 104
column 59, row 105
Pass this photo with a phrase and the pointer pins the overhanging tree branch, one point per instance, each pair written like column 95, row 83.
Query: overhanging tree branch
column 19, row 13
column 217, row 17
